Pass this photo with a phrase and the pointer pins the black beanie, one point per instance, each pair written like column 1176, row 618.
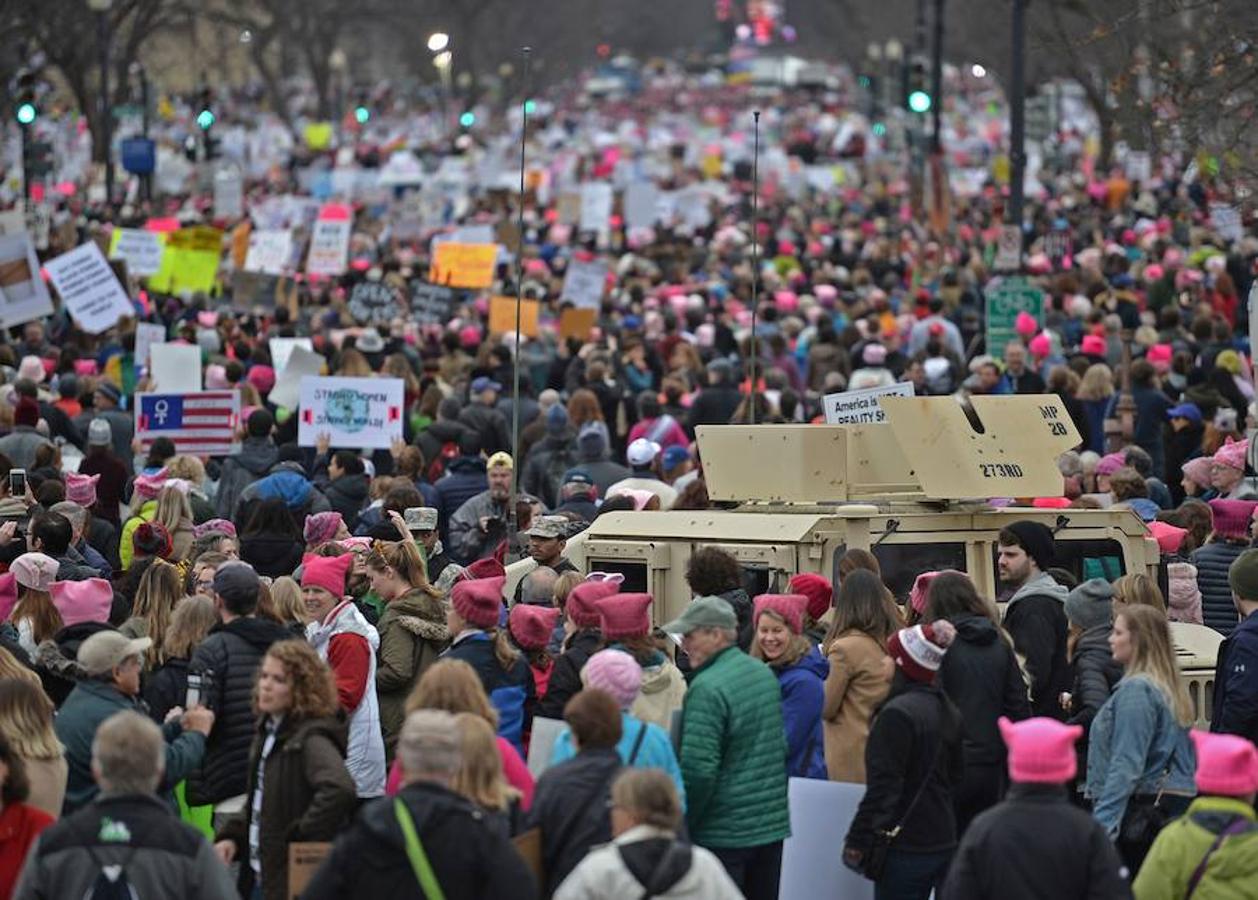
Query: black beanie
column 1036, row 540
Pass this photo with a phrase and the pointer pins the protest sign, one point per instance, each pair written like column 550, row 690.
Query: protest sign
column 329, row 247
column 282, row 348
column 25, row 296
column 353, row 412
column 89, row 289
column 1227, row 221
column 229, row 194
column 596, row 205
column 1009, row 249
column 641, row 203
column 542, row 743
column 502, row 316
column 304, row 859
column 431, row 304
column 584, row 283
column 861, row 407
column 190, row 261
column 202, row 423
column 270, row 251
column 463, row 265
column 821, row 813
column 1004, row 302
column 256, row 289
column 373, row 303
column 568, row 208
column 175, row 368
column 576, row 322
column 300, row 363
column 140, row 249
column 147, row 335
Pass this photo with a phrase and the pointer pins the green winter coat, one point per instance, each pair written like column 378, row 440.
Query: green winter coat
column 733, row 753
column 1231, row 873
column 412, row 635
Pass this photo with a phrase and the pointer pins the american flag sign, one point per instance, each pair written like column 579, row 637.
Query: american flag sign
column 201, row 423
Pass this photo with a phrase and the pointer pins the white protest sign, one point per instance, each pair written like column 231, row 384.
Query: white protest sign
column 1227, row 221
column 354, row 412
column 584, row 283
column 542, row 743
column 1009, row 249
column 329, row 247
column 147, row 335
column 821, row 813
column 641, row 202
column 301, row 362
column 1139, row 166
column 229, row 194
column 282, row 348
column 141, row 250
column 23, row 290
column 861, row 407
column 175, row 368
column 270, row 251
column 596, row 205
column 12, row 221
column 89, row 288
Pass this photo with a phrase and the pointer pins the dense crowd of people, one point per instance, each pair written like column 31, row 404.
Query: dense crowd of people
column 209, row 662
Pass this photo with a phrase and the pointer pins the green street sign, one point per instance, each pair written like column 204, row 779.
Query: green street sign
column 1004, row 302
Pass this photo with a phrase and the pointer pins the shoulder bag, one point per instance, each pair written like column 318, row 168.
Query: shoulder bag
column 415, row 853
column 875, row 862
column 1238, row 826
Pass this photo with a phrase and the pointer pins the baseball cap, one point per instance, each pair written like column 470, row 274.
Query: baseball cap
column 501, row 458
column 236, row 581
column 577, row 476
column 642, row 451
column 484, row 383
column 549, row 527
column 420, row 518
column 704, row 612
column 1188, row 411
column 674, row 456
column 99, row 433
column 104, row 650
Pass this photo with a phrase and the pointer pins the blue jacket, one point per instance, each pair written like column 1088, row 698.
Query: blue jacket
column 1133, row 740
column 655, row 751
column 803, row 693
column 1213, row 562
column 509, row 690
column 465, row 478
column 1236, row 682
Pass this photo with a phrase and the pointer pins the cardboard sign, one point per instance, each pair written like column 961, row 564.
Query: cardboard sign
column 270, row 251
column 89, row 289
column 463, row 265
column 141, row 250
column 1004, row 302
column 329, row 247
column 201, row 423
column 304, row 859
column 300, row 363
column 22, row 290
column 373, row 303
column 584, row 283
column 502, row 316
column 147, row 334
column 596, row 206
column 577, row 322
column 175, row 368
column 821, row 813
column 431, row 304
column 568, row 208
column 282, row 348
column 862, row 407
column 354, row 412
column 641, row 203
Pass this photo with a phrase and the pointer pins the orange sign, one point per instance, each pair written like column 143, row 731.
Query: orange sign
column 574, row 322
column 502, row 316
column 463, row 265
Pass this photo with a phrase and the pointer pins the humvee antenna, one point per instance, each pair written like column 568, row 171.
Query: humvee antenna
column 755, row 264
column 512, row 514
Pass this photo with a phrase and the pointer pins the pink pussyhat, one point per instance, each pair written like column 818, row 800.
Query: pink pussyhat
column 1025, row 324
column 1232, row 454
column 1041, row 750
column 1041, row 346
column 1227, row 765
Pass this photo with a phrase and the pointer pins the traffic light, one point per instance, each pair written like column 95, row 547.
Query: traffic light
column 362, row 115
column 205, row 110
column 530, row 107
column 26, row 108
column 918, row 98
column 468, row 119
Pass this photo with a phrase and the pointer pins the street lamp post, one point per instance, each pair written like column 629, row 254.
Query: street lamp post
column 936, row 82
column 1017, row 118
column 101, row 9
column 893, row 53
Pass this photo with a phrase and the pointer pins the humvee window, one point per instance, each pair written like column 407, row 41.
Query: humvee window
column 902, row 563
column 635, row 574
column 1083, row 559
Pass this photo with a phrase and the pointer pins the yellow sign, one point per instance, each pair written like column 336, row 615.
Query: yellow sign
column 576, row 323
column 190, row 262
column 318, row 135
column 463, row 265
column 502, row 316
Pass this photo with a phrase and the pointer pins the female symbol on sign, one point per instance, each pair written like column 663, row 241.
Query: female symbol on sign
column 160, row 410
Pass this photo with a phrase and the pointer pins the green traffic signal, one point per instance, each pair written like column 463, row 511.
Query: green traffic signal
column 919, row 102
column 530, row 106
column 362, row 114
column 205, row 119
column 27, row 113
column 468, row 119
column 880, row 129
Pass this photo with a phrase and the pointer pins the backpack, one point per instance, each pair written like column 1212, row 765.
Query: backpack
column 111, row 880
column 437, row 467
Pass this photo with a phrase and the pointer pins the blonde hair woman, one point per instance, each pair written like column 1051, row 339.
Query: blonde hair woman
column 1139, row 753
column 1138, row 589
column 1094, row 394
column 480, row 778
column 175, row 512
column 286, row 598
column 167, row 685
column 26, row 721
column 160, row 589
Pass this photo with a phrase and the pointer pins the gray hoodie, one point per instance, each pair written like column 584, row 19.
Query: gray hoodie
column 1042, row 583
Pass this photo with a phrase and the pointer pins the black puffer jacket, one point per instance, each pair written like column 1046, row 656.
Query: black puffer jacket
column 233, row 652
column 570, row 807
column 347, row 495
column 741, row 603
column 165, row 688
column 565, row 677
column 980, row 675
column 1096, row 674
column 1212, row 562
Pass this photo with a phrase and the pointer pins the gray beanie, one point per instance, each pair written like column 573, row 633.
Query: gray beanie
column 1090, row 604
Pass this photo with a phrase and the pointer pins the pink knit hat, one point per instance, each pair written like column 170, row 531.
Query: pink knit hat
column 222, row 526
column 1093, row 345
column 1183, row 596
column 624, row 615
column 788, row 607
column 816, row 588
column 1227, row 765
column 35, row 571
column 484, row 568
column 532, row 625
column 1232, row 454
column 147, row 487
column 82, row 601
column 1197, row 470
column 616, row 673
column 1167, row 535
column 1232, row 517
column 262, row 378
column 1110, row 463
column 582, row 604
column 8, row 595
column 321, row 528
column 81, row 489
column 1041, row 750
column 1025, row 324
column 1041, row 345
column 920, row 591
column 327, row 572
column 919, row 651
column 478, row 602
column 1159, row 356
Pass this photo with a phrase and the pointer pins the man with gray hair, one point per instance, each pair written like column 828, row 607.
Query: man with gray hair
column 127, row 840
column 80, row 550
column 466, row 848
column 537, row 588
